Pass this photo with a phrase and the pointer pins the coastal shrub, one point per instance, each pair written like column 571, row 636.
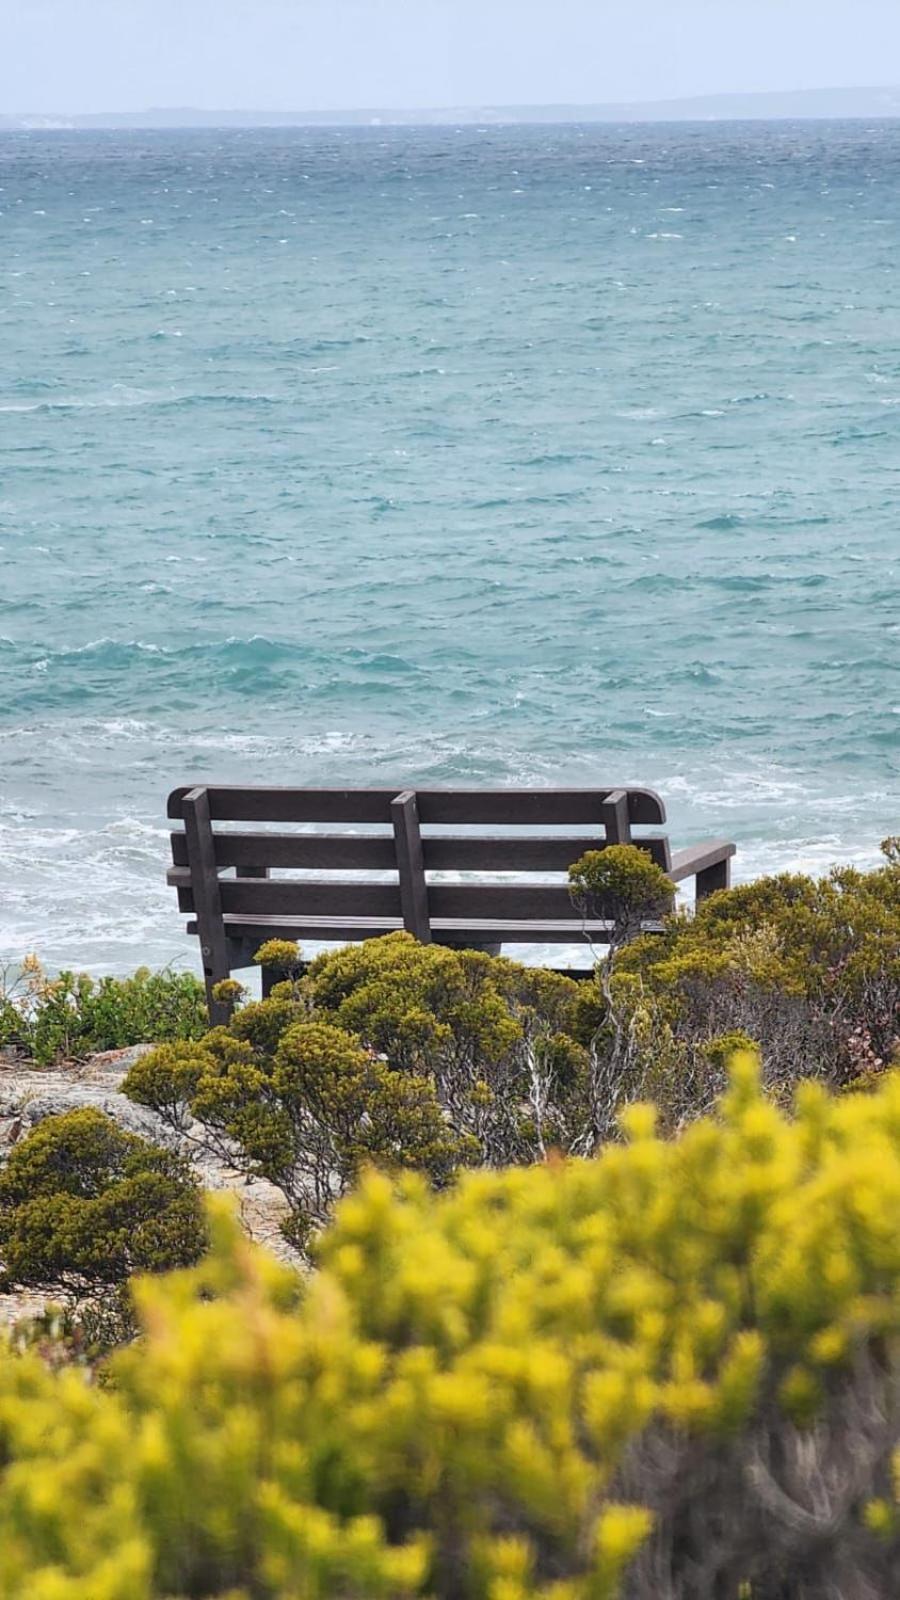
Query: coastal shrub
column 83, row 1205
column 312, row 1114
column 73, row 1014
column 807, row 968
column 623, row 885
column 519, row 1062
column 668, row 1371
column 388, row 1052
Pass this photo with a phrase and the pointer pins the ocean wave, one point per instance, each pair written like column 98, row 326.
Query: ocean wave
column 726, row 523
column 118, row 396
column 121, row 398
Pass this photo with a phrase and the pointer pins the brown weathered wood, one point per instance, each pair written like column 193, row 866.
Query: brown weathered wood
column 311, row 896
column 521, row 807
column 457, row 931
column 320, row 852
column 251, row 931
column 501, row 807
column 207, row 898
column 517, row 902
column 697, row 858
column 411, row 866
column 362, row 898
column 614, row 811
column 372, row 852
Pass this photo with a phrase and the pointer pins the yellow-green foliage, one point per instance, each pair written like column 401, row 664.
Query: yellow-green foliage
column 506, row 1390
column 803, row 935
column 424, row 1004
column 311, row 1115
column 84, row 1204
column 623, row 884
column 519, row 1062
column 392, row 1052
column 808, row 968
column 282, row 954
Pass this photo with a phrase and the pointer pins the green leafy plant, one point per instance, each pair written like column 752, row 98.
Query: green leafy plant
column 522, row 1062
column 72, row 1015
column 283, row 956
column 311, row 1116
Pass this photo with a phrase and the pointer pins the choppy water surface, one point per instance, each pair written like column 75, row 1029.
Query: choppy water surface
column 510, row 455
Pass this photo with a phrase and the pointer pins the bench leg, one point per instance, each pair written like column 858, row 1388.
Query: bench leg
column 713, row 878
column 215, row 946
column 213, row 972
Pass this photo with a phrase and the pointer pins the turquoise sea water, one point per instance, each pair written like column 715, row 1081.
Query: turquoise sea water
column 518, row 455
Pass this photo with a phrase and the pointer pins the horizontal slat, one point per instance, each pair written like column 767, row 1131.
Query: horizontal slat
column 472, row 901
column 447, row 929
column 292, row 805
column 501, row 807
column 322, row 852
column 537, row 807
column 329, row 852
column 305, row 898
column 515, row 902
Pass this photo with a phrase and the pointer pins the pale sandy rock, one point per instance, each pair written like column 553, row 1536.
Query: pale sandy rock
column 24, row 1305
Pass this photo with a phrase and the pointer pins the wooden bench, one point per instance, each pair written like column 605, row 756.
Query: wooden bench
column 411, row 835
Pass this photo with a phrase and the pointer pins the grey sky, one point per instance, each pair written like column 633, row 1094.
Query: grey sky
column 92, row 55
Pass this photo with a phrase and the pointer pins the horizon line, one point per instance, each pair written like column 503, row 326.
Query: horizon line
column 469, row 109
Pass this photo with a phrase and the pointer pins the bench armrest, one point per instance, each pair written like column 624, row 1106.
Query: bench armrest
column 709, row 863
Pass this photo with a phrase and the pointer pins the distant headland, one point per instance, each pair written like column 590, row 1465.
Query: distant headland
column 788, row 105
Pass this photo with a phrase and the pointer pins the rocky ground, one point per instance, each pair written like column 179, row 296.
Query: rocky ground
column 28, row 1094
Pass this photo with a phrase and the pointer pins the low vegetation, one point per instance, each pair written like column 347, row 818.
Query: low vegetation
column 413, row 1056
column 389, row 1052
column 84, row 1205
column 670, row 1370
column 808, row 969
column 73, row 1015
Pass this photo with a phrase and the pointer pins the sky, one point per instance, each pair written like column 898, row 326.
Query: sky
column 128, row 55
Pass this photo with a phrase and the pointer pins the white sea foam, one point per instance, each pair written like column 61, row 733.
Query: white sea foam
column 119, row 395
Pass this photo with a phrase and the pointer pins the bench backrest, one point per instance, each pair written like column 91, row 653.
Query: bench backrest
column 408, row 834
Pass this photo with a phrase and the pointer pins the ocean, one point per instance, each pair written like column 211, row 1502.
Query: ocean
column 503, row 455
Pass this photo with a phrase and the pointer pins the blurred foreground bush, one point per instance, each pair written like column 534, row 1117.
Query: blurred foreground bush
column 73, row 1015
column 670, row 1371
